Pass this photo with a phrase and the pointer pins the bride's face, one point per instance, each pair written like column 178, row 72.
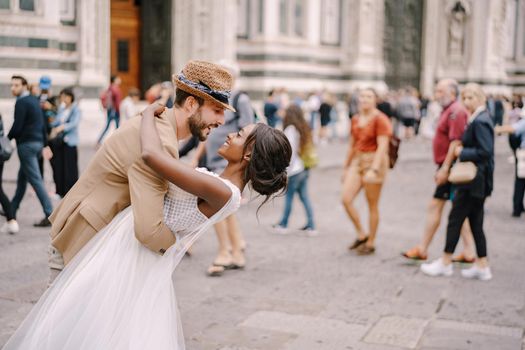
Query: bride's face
column 232, row 149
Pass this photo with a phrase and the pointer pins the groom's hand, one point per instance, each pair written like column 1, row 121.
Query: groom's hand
column 156, row 107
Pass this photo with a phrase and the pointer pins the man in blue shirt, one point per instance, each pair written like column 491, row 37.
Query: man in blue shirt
column 270, row 110
column 518, row 129
column 30, row 134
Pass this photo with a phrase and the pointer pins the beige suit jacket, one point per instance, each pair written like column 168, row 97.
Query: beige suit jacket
column 115, row 178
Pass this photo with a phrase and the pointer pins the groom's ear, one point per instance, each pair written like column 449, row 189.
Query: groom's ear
column 191, row 104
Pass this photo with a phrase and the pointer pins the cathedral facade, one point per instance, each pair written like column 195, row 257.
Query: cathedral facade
column 302, row 45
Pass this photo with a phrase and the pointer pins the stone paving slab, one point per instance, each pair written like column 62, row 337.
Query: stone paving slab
column 397, row 331
column 503, row 331
column 313, row 332
column 302, row 278
column 452, row 339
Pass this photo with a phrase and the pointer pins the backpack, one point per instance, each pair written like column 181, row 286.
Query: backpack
column 235, row 103
column 393, row 148
column 105, row 99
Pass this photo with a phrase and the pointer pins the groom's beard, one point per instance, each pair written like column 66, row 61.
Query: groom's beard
column 197, row 126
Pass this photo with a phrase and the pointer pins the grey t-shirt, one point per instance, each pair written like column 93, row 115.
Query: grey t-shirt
column 217, row 137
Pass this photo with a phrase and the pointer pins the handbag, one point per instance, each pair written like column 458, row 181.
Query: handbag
column 393, row 150
column 6, row 148
column 56, row 140
column 520, row 163
column 462, row 173
column 309, row 156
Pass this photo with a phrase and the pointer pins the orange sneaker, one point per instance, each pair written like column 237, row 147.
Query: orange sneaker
column 414, row 254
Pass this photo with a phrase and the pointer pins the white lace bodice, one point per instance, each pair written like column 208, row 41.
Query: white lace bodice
column 181, row 213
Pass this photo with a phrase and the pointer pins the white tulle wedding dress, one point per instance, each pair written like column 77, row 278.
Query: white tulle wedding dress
column 116, row 294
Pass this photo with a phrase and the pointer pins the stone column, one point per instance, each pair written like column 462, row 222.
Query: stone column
column 94, row 46
column 203, row 30
column 430, row 45
column 486, row 61
column 271, row 19
column 51, row 11
column 362, row 41
column 495, row 50
column 313, row 18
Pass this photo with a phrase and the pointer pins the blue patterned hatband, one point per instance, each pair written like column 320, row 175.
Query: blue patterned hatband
column 222, row 96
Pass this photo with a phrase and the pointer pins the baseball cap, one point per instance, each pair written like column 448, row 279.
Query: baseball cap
column 45, row 82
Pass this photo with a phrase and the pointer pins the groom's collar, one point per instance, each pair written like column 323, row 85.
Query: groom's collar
column 170, row 117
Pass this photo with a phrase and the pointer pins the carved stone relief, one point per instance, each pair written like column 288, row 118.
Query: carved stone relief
column 498, row 30
column 457, row 12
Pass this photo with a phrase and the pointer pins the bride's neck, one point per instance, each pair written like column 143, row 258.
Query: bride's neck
column 234, row 173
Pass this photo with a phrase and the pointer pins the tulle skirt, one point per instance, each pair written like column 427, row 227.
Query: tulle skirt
column 115, row 294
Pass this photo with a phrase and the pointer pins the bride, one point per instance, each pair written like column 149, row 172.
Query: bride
column 117, row 294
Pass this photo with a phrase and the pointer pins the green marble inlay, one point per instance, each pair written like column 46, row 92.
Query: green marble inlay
column 13, row 41
column 43, row 43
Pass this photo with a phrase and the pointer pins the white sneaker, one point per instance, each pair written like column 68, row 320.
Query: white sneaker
column 437, row 268
column 481, row 273
column 310, row 232
column 10, row 227
column 280, row 230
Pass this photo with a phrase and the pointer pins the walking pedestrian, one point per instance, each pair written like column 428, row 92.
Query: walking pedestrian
column 469, row 199
column 325, row 110
column 271, row 109
column 11, row 225
column 229, row 234
column 451, row 126
column 128, row 107
column 64, row 137
column 299, row 134
column 516, row 131
column 111, row 99
column 30, row 134
column 408, row 111
column 366, row 166
column 44, row 93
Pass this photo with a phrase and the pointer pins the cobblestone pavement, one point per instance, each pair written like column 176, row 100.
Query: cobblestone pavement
column 300, row 292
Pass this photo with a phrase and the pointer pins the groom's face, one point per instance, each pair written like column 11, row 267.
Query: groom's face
column 206, row 118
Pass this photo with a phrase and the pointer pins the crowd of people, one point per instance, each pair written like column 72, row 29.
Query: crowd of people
column 46, row 128
column 462, row 124
column 136, row 183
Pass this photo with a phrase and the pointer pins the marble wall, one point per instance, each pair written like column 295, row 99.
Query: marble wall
column 304, row 45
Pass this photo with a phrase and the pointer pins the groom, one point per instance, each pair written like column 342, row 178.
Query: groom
column 117, row 177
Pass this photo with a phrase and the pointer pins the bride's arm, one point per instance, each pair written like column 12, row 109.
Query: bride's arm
column 209, row 188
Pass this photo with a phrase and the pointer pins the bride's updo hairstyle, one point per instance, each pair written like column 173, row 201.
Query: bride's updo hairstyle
column 270, row 156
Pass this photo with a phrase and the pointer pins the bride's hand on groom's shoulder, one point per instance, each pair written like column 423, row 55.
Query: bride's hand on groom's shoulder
column 156, row 108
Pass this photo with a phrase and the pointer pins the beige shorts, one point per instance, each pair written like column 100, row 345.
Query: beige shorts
column 362, row 162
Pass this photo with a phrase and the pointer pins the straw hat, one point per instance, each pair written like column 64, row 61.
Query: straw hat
column 207, row 80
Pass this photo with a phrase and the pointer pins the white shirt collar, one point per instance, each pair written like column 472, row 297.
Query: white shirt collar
column 477, row 112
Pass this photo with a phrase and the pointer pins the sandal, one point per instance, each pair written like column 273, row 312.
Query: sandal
column 215, row 270
column 462, row 259
column 366, row 250
column 414, row 254
column 357, row 243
